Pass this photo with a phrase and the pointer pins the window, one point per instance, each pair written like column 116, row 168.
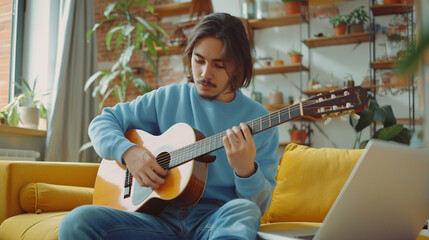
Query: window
column 30, row 42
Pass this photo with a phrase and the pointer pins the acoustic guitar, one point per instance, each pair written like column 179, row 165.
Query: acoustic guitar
column 187, row 158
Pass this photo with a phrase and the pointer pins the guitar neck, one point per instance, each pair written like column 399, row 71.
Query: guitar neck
column 212, row 143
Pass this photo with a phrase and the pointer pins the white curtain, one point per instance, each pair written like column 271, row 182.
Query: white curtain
column 75, row 61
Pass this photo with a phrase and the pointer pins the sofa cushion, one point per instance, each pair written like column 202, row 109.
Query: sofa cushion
column 44, row 197
column 31, row 226
column 308, row 182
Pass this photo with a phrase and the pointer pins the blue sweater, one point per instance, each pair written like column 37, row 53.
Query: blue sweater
column 157, row 111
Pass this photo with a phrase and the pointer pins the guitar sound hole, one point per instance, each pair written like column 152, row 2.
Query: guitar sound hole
column 163, row 160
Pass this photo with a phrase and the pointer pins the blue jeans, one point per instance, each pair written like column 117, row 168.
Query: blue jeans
column 208, row 219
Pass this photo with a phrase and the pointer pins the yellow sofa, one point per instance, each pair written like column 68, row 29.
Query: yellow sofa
column 36, row 195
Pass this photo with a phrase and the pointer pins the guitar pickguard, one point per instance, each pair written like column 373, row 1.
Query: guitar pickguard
column 140, row 193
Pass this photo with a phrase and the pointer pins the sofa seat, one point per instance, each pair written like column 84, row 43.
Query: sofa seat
column 32, row 226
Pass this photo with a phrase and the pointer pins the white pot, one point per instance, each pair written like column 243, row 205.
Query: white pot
column 29, row 117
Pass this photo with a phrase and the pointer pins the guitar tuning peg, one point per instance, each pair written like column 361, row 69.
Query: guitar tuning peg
column 327, row 121
column 355, row 116
column 343, row 119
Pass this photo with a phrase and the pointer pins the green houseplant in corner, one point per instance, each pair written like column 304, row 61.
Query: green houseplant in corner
column 130, row 33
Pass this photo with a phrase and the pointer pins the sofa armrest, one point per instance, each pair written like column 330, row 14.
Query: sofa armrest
column 16, row 174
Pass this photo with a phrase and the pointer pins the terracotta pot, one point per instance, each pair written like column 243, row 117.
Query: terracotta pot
column 340, row 29
column 355, row 28
column 295, row 136
column 292, row 8
column 295, row 58
column 390, row 2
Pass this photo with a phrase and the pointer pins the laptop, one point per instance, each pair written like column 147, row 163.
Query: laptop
column 385, row 197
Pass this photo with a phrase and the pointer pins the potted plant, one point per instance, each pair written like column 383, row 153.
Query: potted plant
column 23, row 110
column 292, row 6
column 295, row 56
column 357, row 19
column 297, row 135
column 339, row 22
column 133, row 33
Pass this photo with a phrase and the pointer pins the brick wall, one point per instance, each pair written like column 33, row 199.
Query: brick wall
column 5, row 35
column 166, row 72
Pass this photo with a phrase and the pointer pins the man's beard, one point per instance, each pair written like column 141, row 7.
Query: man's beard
column 204, row 81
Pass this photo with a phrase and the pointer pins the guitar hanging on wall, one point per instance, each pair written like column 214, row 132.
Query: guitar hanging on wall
column 187, row 158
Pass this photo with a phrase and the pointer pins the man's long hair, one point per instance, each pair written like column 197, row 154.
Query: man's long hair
column 237, row 50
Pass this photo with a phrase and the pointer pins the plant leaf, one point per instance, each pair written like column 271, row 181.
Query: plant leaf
column 110, row 35
column 150, row 48
column 127, row 30
column 141, row 85
column 366, row 118
column 149, row 60
column 85, row 146
column 109, row 8
column 385, row 115
column 13, row 116
column 389, row 133
column 126, row 55
column 145, row 4
column 90, row 32
column 105, row 81
column 404, row 136
column 145, row 23
column 92, row 79
column 363, row 144
column 160, row 29
column 119, row 40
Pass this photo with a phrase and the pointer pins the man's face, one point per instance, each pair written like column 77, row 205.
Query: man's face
column 208, row 70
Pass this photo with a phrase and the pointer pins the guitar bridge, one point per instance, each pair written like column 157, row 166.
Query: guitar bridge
column 127, row 184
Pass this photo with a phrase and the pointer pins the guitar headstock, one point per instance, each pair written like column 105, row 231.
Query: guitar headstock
column 336, row 103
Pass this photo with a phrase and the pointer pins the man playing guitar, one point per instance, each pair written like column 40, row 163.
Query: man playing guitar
column 239, row 182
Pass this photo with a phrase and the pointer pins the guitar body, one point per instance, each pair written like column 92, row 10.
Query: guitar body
column 184, row 184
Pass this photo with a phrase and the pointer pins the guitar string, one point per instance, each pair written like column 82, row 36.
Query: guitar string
column 186, row 154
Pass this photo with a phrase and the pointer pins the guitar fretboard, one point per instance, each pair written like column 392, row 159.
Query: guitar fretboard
column 214, row 142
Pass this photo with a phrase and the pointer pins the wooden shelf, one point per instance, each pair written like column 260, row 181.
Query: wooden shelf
column 381, row 10
column 337, row 40
column 405, row 121
column 320, row 90
column 275, row 22
column 23, row 131
column 172, row 9
column 384, row 64
column 288, row 68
